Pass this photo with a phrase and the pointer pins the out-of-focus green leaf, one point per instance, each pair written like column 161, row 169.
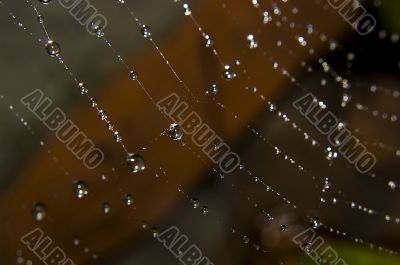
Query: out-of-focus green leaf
column 389, row 15
column 356, row 255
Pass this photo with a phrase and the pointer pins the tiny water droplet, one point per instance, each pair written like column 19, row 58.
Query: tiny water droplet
column 154, row 232
column 392, row 185
column 40, row 19
column 326, row 184
column 146, row 32
column 133, row 75
column 81, row 189
column 77, row 241
column 307, row 247
column 82, row 88
column 209, row 41
column 39, row 211
column 316, row 223
column 128, row 199
column 195, row 203
column 93, row 102
column 228, row 73
column 330, row 154
column 106, row 208
column 251, row 41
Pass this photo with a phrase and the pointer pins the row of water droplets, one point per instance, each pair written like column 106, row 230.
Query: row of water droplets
column 330, row 154
column 80, row 188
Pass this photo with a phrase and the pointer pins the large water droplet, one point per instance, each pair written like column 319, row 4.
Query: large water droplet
column 175, row 132
column 45, row 2
column 53, row 48
column 135, row 163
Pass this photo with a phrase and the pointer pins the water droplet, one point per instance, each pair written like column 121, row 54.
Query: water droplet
column 283, row 228
column 228, row 73
column 81, row 189
column 93, row 102
column 251, row 41
column 246, row 239
column 188, row 12
column 128, row 199
column 154, row 232
column 215, row 88
column 146, row 32
column 330, row 153
column 39, row 211
column 133, row 75
column 53, row 48
column 195, row 203
column 117, row 137
column 135, row 163
column 104, row 177
column 175, row 132
column 106, row 208
column 307, row 247
column 204, row 210
column 45, row 2
column 209, row 41
column 77, row 241
column 326, row 184
column 102, row 115
column 392, row 185
column 40, row 19
column 82, row 88
column 316, row 223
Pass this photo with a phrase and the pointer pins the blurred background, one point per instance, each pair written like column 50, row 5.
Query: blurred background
column 227, row 216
